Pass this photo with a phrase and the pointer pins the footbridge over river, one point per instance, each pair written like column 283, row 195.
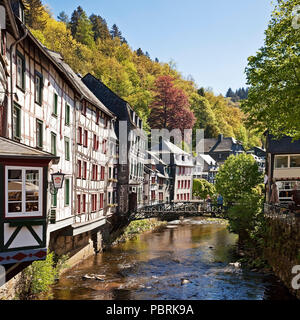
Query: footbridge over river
column 175, row 210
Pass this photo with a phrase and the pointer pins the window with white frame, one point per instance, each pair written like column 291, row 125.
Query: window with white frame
column 24, row 187
column 287, row 161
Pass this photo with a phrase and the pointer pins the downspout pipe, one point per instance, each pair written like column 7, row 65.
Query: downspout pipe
column 14, row 44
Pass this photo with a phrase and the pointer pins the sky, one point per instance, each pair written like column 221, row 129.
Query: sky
column 208, row 40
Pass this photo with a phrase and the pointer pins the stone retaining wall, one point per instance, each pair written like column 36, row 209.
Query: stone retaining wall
column 282, row 247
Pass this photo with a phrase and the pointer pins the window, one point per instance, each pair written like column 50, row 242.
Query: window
column 102, row 174
column 17, row 123
column 79, row 169
column 55, row 103
column 94, row 202
column 67, row 149
column 24, row 192
column 20, row 71
column 84, row 174
column 79, row 135
column 67, row 115
column 85, row 139
column 153, row 180
column 96, row 143
column 39, row 134
column 281, row 162
column 95, row 172
column 104, row 146
column 67, row 192
column 295, row 161
column 152, row 195
column 53, row 143
column 38, row 88
column 101, row 200
column 178, row 185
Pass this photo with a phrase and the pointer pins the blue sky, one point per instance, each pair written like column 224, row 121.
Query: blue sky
column 209, row 40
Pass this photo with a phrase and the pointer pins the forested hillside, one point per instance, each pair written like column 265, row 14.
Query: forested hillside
column 89, row 45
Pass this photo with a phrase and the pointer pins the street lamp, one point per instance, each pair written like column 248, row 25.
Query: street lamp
column 57, row 181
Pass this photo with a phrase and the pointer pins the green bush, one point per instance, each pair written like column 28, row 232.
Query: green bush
column 40, row 275
column 202, row 188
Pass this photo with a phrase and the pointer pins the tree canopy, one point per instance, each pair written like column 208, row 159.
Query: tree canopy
column 273, row 75
column 238, row 174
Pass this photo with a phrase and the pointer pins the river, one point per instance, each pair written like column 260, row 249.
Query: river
column 180, row 262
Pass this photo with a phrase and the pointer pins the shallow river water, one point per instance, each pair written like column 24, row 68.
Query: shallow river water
column 188, row 261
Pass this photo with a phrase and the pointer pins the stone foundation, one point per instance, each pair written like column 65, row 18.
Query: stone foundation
column 282, row 247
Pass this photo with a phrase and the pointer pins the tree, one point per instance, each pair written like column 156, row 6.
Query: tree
column 34, row 14
column 75, row 20
column 202, row 188
column 115, row 32
column 274, row 76
column 229, row 93
column 63, row 17
column 246, row 217
column 100, row 28
column 140, row 52
column 170, row 108
column 237, row 176
column 84, row 31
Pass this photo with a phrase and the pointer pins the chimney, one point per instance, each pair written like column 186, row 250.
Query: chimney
column 220, row 138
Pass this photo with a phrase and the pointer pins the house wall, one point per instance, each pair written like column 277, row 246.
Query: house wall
column 32, row 111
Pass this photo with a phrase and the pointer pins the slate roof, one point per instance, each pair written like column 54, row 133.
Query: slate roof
column 283, row 145
column 113, row 102
column 225, row 145
column 209, row 143
column 83, row 89
column 13, row 149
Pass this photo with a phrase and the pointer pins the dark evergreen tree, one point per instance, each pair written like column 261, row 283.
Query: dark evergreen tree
column 140, row 52
column 75, row 20
column 201, row 92
column 100, row 28
column 116, row 33
column 230, row 93
column 63, row 17
column 156, row 60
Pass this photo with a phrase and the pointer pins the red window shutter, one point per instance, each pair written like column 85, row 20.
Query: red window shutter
column 78, row 203
column 178, row 184
column 79, row 138
column 188, row 197
column 79, row 169
column 84, row 203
